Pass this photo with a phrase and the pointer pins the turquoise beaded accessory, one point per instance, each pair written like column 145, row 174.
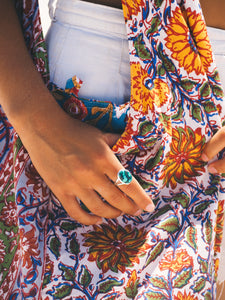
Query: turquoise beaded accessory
column 123, row 177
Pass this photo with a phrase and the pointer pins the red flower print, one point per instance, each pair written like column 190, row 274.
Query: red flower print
column 9, row 214
column 28, row 247
column 2, row 252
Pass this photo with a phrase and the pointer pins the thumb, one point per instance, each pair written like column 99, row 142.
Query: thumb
column 111, row 138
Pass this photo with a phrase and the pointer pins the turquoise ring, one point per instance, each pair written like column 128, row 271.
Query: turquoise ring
column 123, row 177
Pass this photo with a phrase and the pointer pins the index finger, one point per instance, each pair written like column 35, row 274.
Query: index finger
column 215, row 145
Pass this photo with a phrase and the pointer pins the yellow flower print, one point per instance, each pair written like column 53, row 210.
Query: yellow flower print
column 114, row 248
column 183, row 162
column 131, row 7
column 144, row 98
column 192, row 55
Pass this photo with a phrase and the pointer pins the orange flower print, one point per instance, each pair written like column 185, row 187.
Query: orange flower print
column 191, row 56
column 176, row 262
column 184, row 296
column 114, row 247
column 131, row 7
column 144, row 98
column 131, row 289
column 183, row 162
column 216, row 266
column 125, row 138
column 219, row 226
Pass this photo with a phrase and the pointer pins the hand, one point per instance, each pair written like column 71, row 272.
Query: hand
column 75, row 160
column 212, row 148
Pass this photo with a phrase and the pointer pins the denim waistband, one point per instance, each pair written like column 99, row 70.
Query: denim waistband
column 93, row 16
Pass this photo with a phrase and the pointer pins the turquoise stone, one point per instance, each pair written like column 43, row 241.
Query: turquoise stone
column 125, row 176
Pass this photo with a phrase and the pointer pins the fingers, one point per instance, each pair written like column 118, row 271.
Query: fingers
column 73, row 208
column 215, row 145
column 133, row 190
column 212, row 148
column 117, row 198
column 217, row 167
column 97, row 205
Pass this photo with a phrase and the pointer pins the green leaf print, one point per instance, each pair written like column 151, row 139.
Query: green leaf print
column 85, row 277
column 191, row 237
column 211, row 190
column 182, row 278
column 108, row 284
column 187, row 84
column 158, row 3
column 149, row 143
column 153, row 161
column 68, row 226
column 209, row 107
column 159, row 282
column 140, row 48
column 156, row 251
column 62, row 290
column 182, row 199
column 167, row 63
column 196, row 112
column 179, row 113
column 199, row 284
column 205, row 90
column 203, row 265
column 202, row 207
column 207, row 230
column 161, row 70
column 154, row 25
column 74, row 246
column 217, row 91
column 155, row 296
column 55, row 245
column 68, row 272
column 142, row 182
column 170, row 225
column 145, row 128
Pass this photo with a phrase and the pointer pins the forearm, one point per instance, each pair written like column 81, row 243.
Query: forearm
column 23, row 94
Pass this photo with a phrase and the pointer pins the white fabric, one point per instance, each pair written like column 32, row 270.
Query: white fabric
column 90, row 41
column 76, row 37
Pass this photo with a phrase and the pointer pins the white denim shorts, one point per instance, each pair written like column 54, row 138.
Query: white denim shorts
column 217, row 39
column 90, row 41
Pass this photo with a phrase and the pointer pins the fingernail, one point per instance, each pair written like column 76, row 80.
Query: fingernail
column 150, row 207
column 138, row 212
column 204, row 157
column 212, row 170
